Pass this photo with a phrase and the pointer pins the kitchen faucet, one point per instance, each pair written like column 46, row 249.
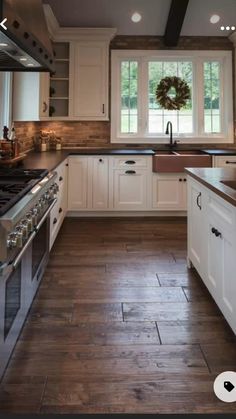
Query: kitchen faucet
column 170, row 132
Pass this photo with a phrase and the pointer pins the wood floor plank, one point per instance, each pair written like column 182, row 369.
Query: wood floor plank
column 220, row 357
column 196, row 331
column 144, row 312
column 96, row 313
column 186, row 279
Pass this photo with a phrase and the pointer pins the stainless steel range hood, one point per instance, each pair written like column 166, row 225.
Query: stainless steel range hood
column 25, row 44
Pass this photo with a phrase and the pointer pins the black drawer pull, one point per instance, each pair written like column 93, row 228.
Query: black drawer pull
column 213, row 230
column 180, row 180
column 54, row 221
column 130, row 172
column 100, row 161
column 198, row 200
column 216, row 232
column 130, row 162
column 60, row 179
column 230, row 162
column 60, row 210
column 185, row 180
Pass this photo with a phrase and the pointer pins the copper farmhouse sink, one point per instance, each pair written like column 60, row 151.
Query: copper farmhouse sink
column 176, row 161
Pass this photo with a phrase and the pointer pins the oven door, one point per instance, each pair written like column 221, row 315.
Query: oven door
column 13, row 308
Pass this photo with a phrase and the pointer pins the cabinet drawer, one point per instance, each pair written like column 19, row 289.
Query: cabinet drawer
column 224, row 211
column 225, row 161
column 129, row 162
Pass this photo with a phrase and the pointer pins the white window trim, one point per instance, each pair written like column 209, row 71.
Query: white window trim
column 5, row 99
column 227, row 135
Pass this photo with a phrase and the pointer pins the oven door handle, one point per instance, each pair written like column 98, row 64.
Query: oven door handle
column 45, row 215
column 23, row 250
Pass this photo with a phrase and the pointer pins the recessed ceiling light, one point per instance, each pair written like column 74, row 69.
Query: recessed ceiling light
column 222, row 28
column 136, row 17
column 227, row 28
column 3, row 44
column 23, row 59
column 214, row 19
column 232, row 28
column 30, row 65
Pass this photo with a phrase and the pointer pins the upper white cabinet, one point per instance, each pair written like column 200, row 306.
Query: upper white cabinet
column 30, row 96
column 78, row 90
column 90, row 80
column 169, row 191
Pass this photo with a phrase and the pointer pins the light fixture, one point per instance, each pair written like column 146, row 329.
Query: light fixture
column 222, row 28
column 214, row 19
column 136, row 17
column 23, row 59
column 3, row 44
column 30, row 65
column 227, row 28
column 232, row 28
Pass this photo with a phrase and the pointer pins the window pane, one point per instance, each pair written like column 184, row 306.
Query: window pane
column 129, row 97
column 212, row 97
column 158, row 117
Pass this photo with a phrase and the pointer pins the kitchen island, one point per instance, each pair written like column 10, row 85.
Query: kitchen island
column 212, row 234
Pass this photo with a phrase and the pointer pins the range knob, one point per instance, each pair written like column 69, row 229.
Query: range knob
column 22, row 229
column 30, row 222
column 47, row 196
column 12, row 241
column 34, row 215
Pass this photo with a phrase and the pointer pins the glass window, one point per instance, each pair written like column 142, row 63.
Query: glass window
column 157, row 117
column 212, row 123
column 129, row 97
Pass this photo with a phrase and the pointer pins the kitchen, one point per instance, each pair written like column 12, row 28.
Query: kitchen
column 117, row 206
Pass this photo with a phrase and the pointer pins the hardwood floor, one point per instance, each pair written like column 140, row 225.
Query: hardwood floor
column 120, row 325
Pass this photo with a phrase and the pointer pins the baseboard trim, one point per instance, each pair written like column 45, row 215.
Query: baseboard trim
column 134, row 214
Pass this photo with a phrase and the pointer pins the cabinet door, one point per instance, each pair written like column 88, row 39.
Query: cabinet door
column 168, row 192
column 30, row 96
column 100, row 178
column 130, row 189
column 196, row 226
column 91, row 81
column 78, row 183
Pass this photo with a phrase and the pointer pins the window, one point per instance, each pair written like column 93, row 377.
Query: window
column 137, row 117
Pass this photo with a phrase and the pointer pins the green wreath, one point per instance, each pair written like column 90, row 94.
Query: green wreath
column 182, row 93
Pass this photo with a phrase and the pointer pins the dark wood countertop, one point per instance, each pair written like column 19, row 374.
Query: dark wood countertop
column 212, row 177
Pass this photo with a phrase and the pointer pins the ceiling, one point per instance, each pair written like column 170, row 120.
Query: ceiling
column 116, row 13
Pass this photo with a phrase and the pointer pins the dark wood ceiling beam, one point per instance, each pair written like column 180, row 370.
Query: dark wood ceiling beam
column 175, row 21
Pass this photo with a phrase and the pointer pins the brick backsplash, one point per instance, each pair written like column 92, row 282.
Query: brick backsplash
column 97, row 134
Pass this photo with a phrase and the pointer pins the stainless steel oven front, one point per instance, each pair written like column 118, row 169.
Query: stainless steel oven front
column 18, row 284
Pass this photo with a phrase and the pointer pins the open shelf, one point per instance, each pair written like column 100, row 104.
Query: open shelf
column 59, row 82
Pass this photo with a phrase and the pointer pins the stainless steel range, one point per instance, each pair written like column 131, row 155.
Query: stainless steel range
column 26, row 200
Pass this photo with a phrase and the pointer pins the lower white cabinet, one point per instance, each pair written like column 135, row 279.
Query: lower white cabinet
column 224, row 161
column 130, row 188
column 59, row 211
column 212, row 245
column 169, row 191
column 88, row 183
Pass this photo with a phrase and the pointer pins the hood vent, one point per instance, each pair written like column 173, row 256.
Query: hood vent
column 25, row 45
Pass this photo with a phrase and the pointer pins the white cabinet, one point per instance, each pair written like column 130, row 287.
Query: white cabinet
column 169, row 191
column 88, row 183
column 130, row 189
column 197, row 202
column 30, row 96
column 90, row 80
column 78, row 183
column 59, row 211
column 100, row 182
column 224, row 161
column 212, row 245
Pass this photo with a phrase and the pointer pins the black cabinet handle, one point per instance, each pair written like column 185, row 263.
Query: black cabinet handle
column 103, row 108
column 216, row 232
column 130, row 172
column 100, row 161
column 54, row 221
column 60, row 210
column 180, row 180
column 60, row 179
column 130, row 162
column 185, row 180
column 230, row 162
column 198, row 200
